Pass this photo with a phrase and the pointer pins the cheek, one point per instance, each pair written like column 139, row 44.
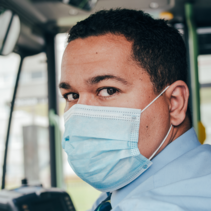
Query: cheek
column 154, row 119
column 127, row 100
column 154, row 125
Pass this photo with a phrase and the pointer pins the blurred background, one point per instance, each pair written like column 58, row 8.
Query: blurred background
column 33, row 66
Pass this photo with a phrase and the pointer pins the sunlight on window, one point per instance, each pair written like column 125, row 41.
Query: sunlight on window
column 204, row 63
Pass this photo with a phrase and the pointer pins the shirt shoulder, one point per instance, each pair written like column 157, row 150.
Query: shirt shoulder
column 183, row 184
column 193, row 164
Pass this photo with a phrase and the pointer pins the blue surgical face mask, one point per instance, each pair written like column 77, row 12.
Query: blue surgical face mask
column 102, row 145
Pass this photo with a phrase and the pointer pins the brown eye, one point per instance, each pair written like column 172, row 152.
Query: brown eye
column 72, row 96
column 107, row 92
column 111, row 91
column 75, row 96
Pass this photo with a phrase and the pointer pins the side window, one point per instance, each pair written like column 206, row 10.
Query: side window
column 28, row 155
column 82, row 194
column 8, row 69
column 204, row 62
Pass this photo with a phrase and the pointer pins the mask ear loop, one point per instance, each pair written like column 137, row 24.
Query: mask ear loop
column 155, row 99
column 161, row 144
column 169, row 128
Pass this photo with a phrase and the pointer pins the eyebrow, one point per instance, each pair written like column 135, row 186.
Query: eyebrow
column 95, row 80
column 64, row 85
column 99, row 78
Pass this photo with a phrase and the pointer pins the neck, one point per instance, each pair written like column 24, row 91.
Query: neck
column 180, row 129
column 177, row 131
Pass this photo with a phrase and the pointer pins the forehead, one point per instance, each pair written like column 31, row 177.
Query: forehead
column 98, row 55
column 97, row 48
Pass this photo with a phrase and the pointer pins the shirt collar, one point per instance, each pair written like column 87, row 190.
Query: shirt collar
column 178, row 147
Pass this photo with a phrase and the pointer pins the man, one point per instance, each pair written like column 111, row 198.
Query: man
column 127, row 129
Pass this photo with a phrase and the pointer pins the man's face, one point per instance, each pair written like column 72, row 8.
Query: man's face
column 100, row 71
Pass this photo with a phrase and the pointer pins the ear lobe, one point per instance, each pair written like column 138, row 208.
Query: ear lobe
column 178, row 94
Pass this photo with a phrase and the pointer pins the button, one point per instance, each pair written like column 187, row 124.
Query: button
column 134, row 117
column 145, row 166
column 67, row 138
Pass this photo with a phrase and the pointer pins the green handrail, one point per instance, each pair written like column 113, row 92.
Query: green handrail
column 193, row 56
column 54, row 121
column 194, row 79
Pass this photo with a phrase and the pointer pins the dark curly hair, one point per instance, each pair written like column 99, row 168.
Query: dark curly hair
column 157, row 47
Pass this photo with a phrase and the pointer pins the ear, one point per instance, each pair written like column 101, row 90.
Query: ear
column 177, row 94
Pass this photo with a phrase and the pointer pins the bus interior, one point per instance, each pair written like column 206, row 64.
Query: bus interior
column 31, row 107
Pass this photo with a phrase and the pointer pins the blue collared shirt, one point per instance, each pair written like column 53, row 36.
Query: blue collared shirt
column 178, row 180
